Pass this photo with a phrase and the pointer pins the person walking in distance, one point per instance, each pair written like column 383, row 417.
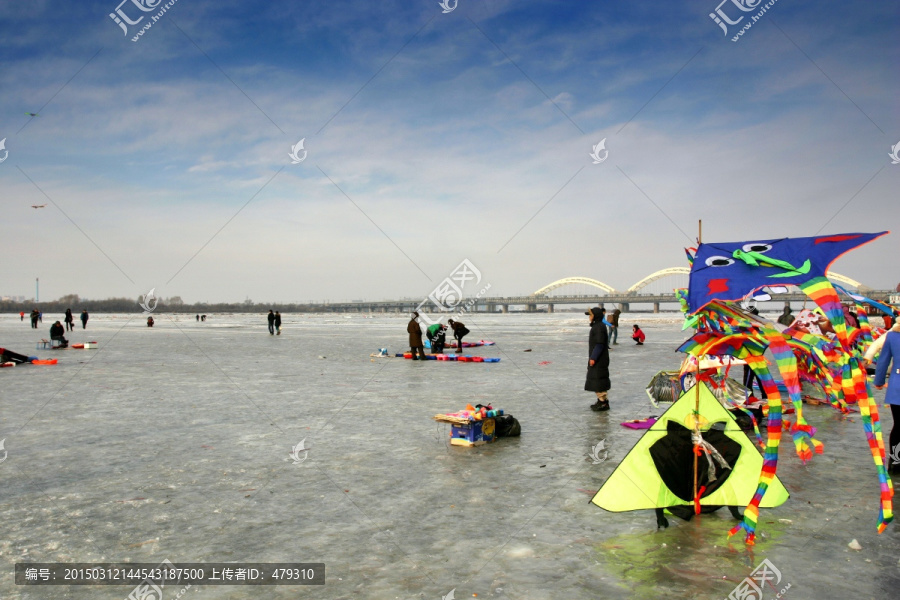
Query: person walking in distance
column 271, row 319
column 34, row 318
column 416, row 345
column 70, row 320
column 597, row 379
column 277, row 323
column 459, row 332
column 84, row 319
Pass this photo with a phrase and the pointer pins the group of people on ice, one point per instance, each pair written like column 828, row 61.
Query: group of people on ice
column 274, row 319
column 58, row 330
column 436, row 334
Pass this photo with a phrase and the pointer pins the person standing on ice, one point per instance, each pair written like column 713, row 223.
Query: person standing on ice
column 889, row 360
column 70, row 320
column 459, row 332
column 84, row 319
column 614, row 326
column 597, row 379
column 34, row 318
column 277, row 323
column 271, row 319
column 417, row 347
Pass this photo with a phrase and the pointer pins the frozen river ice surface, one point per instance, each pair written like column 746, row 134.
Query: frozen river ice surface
column 175, row 443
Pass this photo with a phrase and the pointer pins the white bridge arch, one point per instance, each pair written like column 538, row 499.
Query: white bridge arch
column 843, row 279
column 658, row 275
column 572, row 281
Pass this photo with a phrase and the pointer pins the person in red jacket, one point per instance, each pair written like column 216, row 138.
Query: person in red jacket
column 637, row 335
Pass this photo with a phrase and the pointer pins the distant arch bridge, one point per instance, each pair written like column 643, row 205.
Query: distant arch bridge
column 541, row 301
column 634, row 289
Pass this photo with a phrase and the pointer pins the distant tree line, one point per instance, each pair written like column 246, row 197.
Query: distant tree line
column 129, row 305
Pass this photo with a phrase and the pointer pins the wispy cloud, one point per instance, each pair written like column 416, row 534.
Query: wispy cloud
column 154, row 149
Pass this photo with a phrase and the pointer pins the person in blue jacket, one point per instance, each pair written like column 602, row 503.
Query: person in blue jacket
column 889, row 360
column 597, row 379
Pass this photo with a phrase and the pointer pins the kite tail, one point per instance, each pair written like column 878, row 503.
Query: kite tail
column 835, row 393
column 868, row 410
column 770, row 457
column 820, row 291
column 801, row 432
column 864, row 325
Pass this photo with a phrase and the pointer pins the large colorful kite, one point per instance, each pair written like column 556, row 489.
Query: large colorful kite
column 824, row 347
column 732, row 271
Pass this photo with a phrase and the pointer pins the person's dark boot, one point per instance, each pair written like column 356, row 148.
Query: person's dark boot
column 600, row 405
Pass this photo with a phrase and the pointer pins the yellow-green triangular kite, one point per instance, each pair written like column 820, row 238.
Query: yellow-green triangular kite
column 658, row 471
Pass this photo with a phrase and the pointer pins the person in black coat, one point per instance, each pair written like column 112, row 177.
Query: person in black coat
column 70, row 320
column 277, row 323
column 459, row 332
column 271, row 319
column 34, row 319
column 57, row 332
column 84, row 319
column 597, row 380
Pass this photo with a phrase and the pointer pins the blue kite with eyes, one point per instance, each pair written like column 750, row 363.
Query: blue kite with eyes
column 732, row 270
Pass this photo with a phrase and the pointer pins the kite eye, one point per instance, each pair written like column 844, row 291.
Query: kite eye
column 761, row 248
column 719, row 261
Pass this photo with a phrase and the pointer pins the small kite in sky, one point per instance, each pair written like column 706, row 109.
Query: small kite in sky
column 32, row 114
column 38, row 205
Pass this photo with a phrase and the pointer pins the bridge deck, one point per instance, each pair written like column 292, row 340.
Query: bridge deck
column 532, row 302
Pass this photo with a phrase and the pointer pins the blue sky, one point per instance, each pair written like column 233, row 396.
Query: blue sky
column 432, row 138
